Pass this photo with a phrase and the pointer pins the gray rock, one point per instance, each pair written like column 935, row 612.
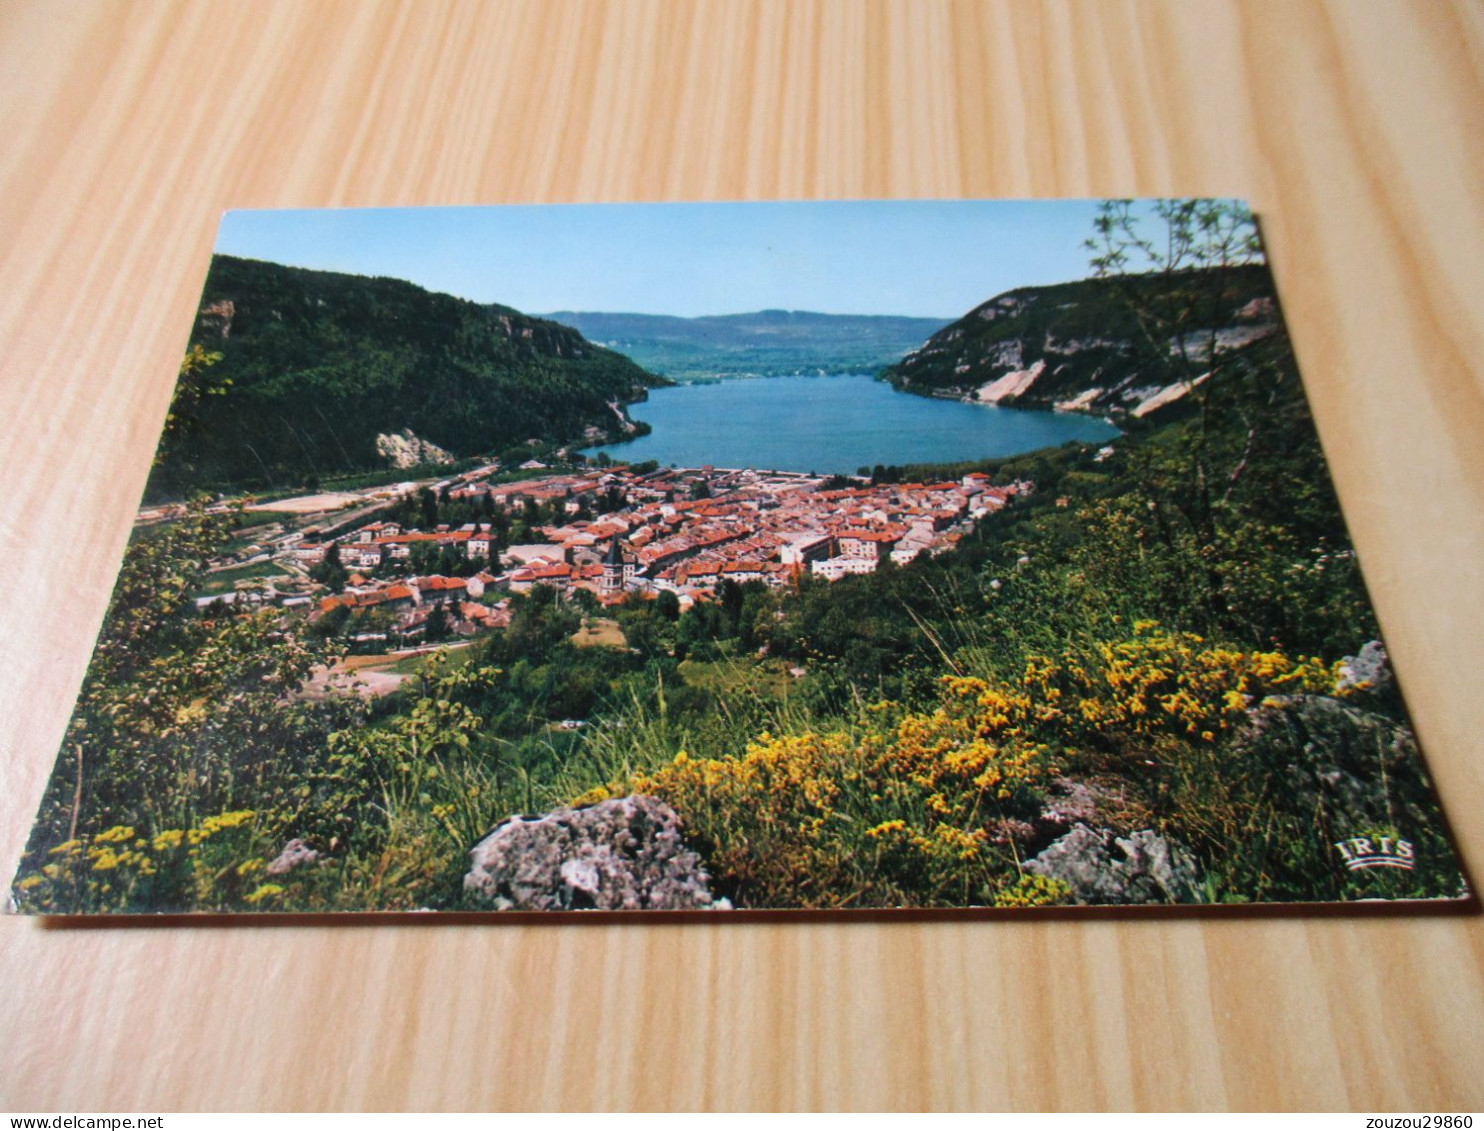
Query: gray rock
column 295, row 853
column 1347, row 767
column 1067, row 803
column 1368, row 672
column 620, row 855
column 1102, row 867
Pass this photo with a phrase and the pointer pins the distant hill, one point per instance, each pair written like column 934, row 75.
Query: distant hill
column 316, row 365
column 1080, row 345
column 765, row 343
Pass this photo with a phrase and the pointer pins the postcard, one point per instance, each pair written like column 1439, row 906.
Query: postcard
column 875, row 555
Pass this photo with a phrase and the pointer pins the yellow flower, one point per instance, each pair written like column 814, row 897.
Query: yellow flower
column 104, row 859
column 263, row 891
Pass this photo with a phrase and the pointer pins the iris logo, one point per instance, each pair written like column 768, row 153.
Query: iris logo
column 1375, row 851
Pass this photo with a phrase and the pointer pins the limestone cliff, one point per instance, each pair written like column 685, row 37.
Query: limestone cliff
column 1083, row 347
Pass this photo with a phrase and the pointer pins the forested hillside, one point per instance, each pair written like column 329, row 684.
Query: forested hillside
column 294, row 374
column 1104, row 344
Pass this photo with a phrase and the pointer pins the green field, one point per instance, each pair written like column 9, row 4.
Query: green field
column 224, row 581
column 416, row 665
column 599, row 632
column 731, row 676
column 264, row 518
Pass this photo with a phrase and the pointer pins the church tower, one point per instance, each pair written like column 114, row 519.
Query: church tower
column 614, row 574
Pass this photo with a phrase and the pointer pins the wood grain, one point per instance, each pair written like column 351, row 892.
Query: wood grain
column 1352, row 126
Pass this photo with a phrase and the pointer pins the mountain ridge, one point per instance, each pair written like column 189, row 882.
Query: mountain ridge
column 304, row 369
column 1082, row 346
column 772, row 342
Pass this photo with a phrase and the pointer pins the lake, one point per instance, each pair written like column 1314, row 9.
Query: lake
column 834, row 425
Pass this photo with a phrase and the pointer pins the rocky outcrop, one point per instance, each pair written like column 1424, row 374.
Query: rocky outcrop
column 1367, row 673
column 625, row 426
column 1080, row 402
column 1068, row 802
column 404, row 449
column 296, row 853
column 621, row 855
column 217, row 317
column 1351, row 767
column 1011, row 385
column 1167, row 395
column 1102, row 867
column 1081, row 346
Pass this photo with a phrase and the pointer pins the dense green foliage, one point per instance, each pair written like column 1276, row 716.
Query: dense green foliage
column 294, row 373
column 1095, row 333
column 768, row 343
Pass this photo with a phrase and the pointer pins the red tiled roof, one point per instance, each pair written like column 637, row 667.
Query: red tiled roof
column 872, row 535
column 440, row 583
column 444, row 536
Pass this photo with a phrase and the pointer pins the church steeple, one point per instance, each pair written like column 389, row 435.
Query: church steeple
column 613, row 571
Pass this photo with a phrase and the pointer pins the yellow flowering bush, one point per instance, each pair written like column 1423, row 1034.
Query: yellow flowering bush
column 974, row 744
column 207, row 866
column 1032, row 891
column 899, row 812
column 1160, row 682
column 933, row 807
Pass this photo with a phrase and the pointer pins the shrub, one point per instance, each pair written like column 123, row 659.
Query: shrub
column 904, row 808
column 213, row 866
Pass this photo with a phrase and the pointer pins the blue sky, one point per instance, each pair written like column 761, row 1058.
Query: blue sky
column 927, row 258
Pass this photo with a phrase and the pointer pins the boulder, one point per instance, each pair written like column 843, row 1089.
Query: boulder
column 1368, row 672
column 1347, row 767
column 621, row 855
column 1068, row 802
column 295, row 853
column 1102, row 867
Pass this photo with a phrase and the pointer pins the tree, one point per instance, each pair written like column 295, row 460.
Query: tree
column 182, row 717
column 1190, row 246
column 330, row 572
column 438, row 626
column 423, row 558
column 452, row 563
column 1235, row 496
column 198, row 380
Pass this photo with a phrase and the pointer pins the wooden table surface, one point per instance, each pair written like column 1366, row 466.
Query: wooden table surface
column 1353, row 127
